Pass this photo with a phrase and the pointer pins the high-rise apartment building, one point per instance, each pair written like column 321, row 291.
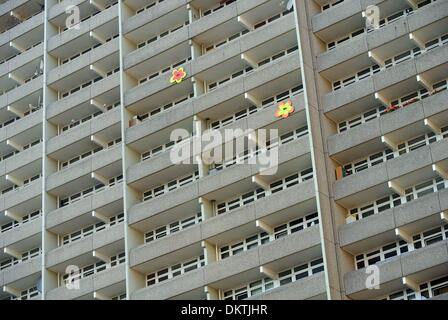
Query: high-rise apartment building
column 93, row 207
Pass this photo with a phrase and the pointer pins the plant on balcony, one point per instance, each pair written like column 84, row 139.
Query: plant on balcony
column 284, row 109
column 392, row 107
column 178, row 75
column 410, row 102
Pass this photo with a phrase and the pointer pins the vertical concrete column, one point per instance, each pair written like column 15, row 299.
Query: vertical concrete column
column 49, row 166
column 193, row 13
column 211, row 293
column 132, row 237
column 207, row 208
column 210, row 252
column 318, row 125
column 195, row 49
column 199, row 126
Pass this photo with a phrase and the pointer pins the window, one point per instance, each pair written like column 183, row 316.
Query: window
column 395, row 200
column 426, row 290
column 90, row 191
column 174, row 271
column 399, row 103
column 87, row 231
column 247, row 154
column 266, row 284
column 96, row 268
column 261, row 193
column 173, row 227
column 381, row 254
column 262, row 237
column 170, row 186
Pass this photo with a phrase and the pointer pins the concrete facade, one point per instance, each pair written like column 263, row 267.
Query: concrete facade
column 93, row 207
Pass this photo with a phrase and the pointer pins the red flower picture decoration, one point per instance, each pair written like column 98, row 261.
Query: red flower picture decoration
column 178, row 75
column 284, row 109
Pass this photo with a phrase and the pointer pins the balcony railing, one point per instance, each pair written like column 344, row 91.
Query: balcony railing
column 64, row 28
column 25, row 256
column 25, row 219
column 19, row 53
column 173, row 227
column 241, row 33
column 387, row 154
column 283, row 139
column 87, row 84
column 89, row 230
column 150, row 114
column 61, row 62
column 170, row 186
column 266, row 284
column 68, row 163
column 27, row 294
column 76, row 123
column 148, row 6
column 383, row 22
column 164, row 147
column 274, row 187
column 22, row 21
column 91, row 269
column 36, row 75
column 26, row 182
column 395, row 200
column 12, row 153
column 331, row 5
column 90, row 191
column 261, row 238
column 162, row 35
column 426, row 290
column 164, row 70
column 389, row 63
column 399, row 103
column 216, row 8
column 174, row 270
column 420, row 240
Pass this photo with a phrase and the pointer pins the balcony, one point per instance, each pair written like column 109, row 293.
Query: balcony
column 405, row 271
column 86, row 101
column 260, row 82
column 105, row 164
column 17, row 12
column 94, row 63
column 71, row 218
column 25, row 93
column 22, row 37
column 24, row 275
column 395, row 125
column 102, row 133
column 236, row 178
column 20, row 201
column 108, row 283
column 373, row 230
column 82, row 252
column 386, row 86
column 340, row 25
column 221, row 229
column 389, row 154
column 380, row 180
column 264, row 286
column 392, row 41
column 94, row 30
column 244, row 267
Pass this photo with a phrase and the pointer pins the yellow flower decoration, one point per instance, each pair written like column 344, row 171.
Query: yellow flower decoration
column 284, row 109
column 178, row 75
